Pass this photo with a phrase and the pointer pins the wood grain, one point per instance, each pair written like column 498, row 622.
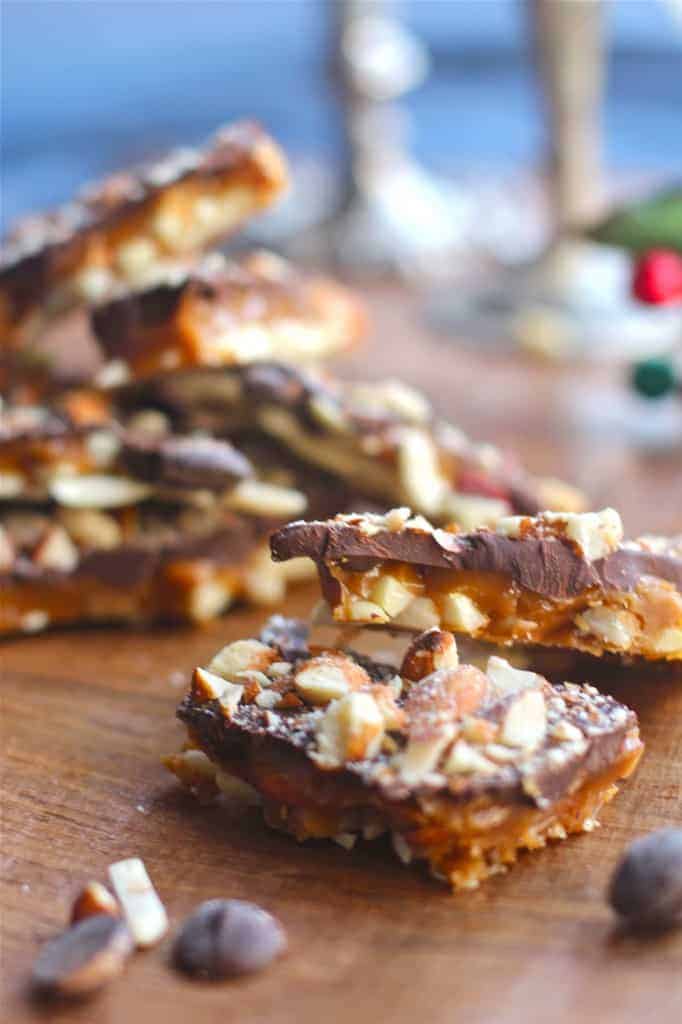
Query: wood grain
column 86, row 716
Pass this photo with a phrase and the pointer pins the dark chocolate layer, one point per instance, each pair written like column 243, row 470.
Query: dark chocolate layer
column 549, row 566
column 245, row 288
column 287, row 736
column 184, row 462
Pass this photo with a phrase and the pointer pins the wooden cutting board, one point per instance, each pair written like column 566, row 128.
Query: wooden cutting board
column 87, row 714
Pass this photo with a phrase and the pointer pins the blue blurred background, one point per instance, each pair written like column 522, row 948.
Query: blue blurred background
column 88, row 86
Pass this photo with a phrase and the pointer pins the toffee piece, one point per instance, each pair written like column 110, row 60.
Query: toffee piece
column 129, row 228
column 383, row 438
column 557, row 579
column 463, row 768
column 223, row 312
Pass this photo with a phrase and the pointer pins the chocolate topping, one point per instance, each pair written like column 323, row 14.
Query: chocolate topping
column 45, row 247
column 549, row 566
column 604, row 724
column 184, row 462
column 258, row 287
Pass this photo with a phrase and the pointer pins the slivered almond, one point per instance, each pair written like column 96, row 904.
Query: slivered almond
column 256, row 497
column 525, row 723
column 142, row 909
column 98, row 490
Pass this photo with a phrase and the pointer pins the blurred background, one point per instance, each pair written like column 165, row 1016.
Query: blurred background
column 464, row 140
column 465, row 146
column 88, row 86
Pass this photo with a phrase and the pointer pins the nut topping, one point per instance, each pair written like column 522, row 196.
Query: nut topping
column 256, row 497
column 428, row 652
column 142, row 909
column 98, row 490
column 7, row 552
column 506, row 679
column 329, row 677
column 56, row 551
column 94, row 899
column 525, row 722
column 209, row 686
column 613, row 626
column 352, row 729
column 434, row 705
column 241, row 656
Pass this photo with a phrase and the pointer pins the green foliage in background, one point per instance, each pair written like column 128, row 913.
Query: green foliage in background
column 653, row 223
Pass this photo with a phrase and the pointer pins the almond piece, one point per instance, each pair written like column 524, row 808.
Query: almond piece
column 359, row 610
column 56, row 551
column 391, row 595
column 142, row 909
column 431, row 650
column 596, row 534
column 614, row 627
column 422, row 483
column 258, row 498
column 668, row 641
column 525, row 723
column 351, row 730
column 471, row 511
column 506, row 679
column 93, row 899
column 467, row 760
column 207, row 599
column 208, row 686
column 7, row 553
column 434, row 706
column 461, row 613
column 91, row 528
column 420, row 614
column 98, row 490
column 242, row 656
column 11, row 483
column 329, row 677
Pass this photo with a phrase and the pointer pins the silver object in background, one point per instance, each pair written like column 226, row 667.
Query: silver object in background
column 573, row 301
column 391, row 214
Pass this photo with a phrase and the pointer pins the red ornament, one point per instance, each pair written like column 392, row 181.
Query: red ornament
column 657, row 279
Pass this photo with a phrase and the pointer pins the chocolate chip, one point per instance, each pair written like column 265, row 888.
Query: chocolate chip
column 646, row 888
column 82, row 959
column 225, row 938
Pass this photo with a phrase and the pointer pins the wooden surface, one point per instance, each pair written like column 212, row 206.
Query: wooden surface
column 87, row 714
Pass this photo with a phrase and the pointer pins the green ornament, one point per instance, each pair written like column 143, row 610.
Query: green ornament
column 654, row 378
